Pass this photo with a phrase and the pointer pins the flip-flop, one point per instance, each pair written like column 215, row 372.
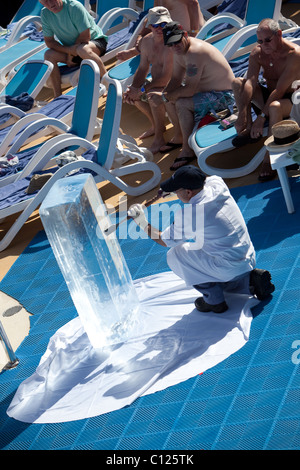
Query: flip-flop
column 268, row 177
column 187, row 160
column 171, row 145
column 266, row 172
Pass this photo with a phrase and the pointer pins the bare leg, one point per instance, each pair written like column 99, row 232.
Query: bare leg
column 158, row 113
column 145, row 109
column 91, row 51
column 55, row 57
column 185, row 112
column 243, row 101
column 177, row 135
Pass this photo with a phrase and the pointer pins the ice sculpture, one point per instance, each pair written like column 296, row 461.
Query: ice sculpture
column 75, row 220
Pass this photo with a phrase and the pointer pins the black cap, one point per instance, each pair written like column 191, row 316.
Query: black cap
column 186, row 177
column 172, row 32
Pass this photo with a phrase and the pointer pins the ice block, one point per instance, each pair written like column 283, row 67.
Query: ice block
column 75, row 220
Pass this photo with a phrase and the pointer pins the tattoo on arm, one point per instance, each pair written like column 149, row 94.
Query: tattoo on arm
column 191, row 70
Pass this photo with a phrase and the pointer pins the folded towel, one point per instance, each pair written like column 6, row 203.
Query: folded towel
column 23, row 101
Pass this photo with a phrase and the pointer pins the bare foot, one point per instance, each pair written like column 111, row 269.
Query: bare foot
column 169, row 146
column 156, row 145
column 148, row 133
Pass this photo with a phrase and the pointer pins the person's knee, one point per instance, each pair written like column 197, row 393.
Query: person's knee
column 48, row 55
column 87, row 50
column 53, row 56
column 183, row 106
column 275, row 109
column 237, row 84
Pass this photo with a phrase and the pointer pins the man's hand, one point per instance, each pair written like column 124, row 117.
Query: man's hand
column 131, row 95
column 70, row 62
column 257, row 127
column 136, row 211
column 155, row 97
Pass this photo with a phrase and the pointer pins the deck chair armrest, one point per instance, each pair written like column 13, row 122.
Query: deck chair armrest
column 36, row 127
column 100, row 21
column 16, row 128
column 51, row 148
column 20, row 26
column 13, row 110
column 126, row 13
column 236, row 42
column 228, row 18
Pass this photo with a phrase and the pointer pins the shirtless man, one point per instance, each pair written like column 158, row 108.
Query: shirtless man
column 187, row 12
column 153, row 52
column 207, row 87
column 280, row 62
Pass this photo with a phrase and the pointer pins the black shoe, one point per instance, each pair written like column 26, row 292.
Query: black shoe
column 260, row 283
column 202, row 306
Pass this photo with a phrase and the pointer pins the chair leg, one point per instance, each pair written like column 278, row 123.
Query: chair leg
column 285, row 184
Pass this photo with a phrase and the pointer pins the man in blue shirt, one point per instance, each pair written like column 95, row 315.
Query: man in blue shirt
column 71, row 35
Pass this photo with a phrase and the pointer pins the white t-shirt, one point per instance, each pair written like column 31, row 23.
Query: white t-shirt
column 221, row 248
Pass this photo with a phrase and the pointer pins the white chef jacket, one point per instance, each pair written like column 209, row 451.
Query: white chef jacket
column 223, row 250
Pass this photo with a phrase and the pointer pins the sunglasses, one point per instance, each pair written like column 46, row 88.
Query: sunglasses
column 159, row 25
column 267, row 40
column 175, row 43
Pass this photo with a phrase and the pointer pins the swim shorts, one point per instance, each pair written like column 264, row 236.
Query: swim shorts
column 212, row 102
column 266, row 93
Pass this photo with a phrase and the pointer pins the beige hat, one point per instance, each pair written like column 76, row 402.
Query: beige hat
column 285, row 133
column 158, row 15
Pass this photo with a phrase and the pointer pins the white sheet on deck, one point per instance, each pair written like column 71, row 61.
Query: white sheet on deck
column 172, row 343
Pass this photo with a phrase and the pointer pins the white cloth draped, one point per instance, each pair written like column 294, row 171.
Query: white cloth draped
column 170, row 343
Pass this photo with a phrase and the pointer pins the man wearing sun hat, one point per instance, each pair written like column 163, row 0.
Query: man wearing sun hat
column 218, row 256
column 200, row 83
column 156, row 55
column 188, row 12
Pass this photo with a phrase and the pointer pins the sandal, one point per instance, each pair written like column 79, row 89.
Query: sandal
column 183, row 160
column 171, row 145
column 267, row 173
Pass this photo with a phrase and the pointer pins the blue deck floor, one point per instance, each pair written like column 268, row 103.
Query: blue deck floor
column 249, row 401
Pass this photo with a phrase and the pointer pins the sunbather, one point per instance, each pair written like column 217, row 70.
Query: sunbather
column 207, row 83
column 279, row 59
column 154, row 53
column 79, row 37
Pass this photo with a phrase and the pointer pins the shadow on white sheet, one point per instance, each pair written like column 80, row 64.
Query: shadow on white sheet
column 171, row 342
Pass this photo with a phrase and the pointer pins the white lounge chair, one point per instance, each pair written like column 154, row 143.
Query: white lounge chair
column 82, row 125
column 98, row 160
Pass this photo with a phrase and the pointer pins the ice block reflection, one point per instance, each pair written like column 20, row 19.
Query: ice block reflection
column 75, row 218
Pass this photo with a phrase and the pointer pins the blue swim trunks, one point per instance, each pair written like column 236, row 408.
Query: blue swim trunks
column 212, row 102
